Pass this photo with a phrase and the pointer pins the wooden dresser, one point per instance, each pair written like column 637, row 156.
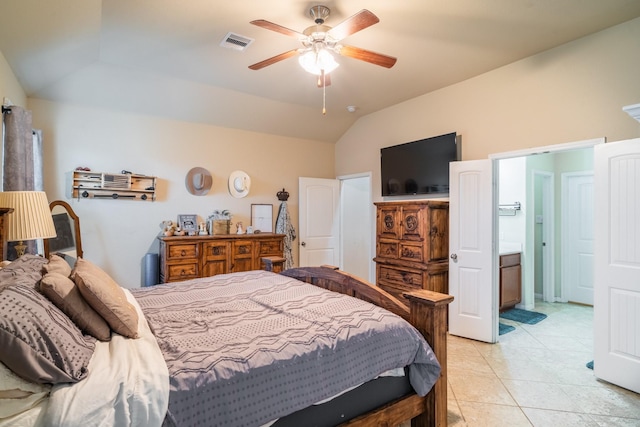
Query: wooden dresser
column 190, row 257
column 412, row 246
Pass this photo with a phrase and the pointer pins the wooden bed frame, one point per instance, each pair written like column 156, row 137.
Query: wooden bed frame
column 427, row 312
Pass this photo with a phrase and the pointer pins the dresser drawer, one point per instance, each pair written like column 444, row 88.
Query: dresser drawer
column 269, row 247
column 242, row 248
column 178, row 272
column 215, row 251
column 398, row 276
column 386, row 249
column 411, row 252
column 181, row 251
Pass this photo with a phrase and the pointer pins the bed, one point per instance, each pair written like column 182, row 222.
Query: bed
column 251, row 348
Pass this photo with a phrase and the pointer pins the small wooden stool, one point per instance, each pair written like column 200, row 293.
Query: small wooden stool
column 273, row 263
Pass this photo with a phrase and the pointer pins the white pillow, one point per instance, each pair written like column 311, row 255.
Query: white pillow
column 18, row 395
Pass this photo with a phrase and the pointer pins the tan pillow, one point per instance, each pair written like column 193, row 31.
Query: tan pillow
column 57, row 264
column 106, row 297
column 64, row 293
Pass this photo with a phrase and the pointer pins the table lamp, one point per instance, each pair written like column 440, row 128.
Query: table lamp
column 31, row 217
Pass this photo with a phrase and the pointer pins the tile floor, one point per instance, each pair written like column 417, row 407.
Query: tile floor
column 535, row 376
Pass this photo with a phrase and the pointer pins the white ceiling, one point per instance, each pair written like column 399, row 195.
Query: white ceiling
column 163, row 57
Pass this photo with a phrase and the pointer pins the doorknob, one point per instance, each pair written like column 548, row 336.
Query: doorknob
column 303, row 244
column 454, row 257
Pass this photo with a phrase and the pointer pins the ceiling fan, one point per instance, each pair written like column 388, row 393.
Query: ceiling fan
column 320, row 40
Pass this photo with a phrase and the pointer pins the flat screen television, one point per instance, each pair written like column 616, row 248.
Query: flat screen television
column 419, row 167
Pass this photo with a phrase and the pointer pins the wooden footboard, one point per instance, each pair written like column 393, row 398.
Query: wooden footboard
column 427, row 312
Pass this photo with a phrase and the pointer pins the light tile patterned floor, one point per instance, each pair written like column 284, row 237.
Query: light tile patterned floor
column 536, row 376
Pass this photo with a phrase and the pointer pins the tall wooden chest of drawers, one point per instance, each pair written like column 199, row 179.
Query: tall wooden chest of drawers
column 412, row 246
column 190, row 257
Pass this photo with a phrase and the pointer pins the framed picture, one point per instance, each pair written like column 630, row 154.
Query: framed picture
column 262, row 218
column 189, row 223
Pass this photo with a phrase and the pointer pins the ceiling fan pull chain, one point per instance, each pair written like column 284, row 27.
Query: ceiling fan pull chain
column 324, row 94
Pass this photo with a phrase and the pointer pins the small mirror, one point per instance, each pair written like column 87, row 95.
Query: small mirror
column 68, row 242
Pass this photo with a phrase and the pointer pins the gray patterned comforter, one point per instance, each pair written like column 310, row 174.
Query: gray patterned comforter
column 247, row 348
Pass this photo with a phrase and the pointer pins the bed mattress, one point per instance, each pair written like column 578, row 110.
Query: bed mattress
column 250, row 348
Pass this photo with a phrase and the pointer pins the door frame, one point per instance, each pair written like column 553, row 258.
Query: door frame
column 528, row 291
column 548, row 235
column 369, row 215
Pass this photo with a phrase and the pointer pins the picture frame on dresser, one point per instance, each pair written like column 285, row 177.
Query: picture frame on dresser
column 262, row 217
column 189, row 223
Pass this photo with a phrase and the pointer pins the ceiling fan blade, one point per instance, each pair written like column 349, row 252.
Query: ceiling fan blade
column 353, row 24
column 277, row 28
column 274, row 59
column 368, row 56
column 324, row 80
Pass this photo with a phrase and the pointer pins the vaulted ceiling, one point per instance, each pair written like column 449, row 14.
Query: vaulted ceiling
column 164, row 57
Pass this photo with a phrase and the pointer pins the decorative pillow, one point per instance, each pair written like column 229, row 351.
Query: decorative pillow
column 26, row 270
column 65, row 295
column 57, row 264
column 106, row 297
column 38, row 341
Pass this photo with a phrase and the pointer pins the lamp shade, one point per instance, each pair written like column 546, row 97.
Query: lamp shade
column 316, row 61
column 31, row 217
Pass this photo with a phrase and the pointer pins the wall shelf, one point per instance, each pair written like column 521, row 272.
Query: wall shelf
column 100, row 185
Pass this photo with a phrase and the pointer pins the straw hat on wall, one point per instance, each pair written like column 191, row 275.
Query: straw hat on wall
column 239, row 184
column 198, row 181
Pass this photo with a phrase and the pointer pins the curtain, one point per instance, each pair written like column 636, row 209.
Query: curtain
column 22, row 162
column 284, row 226
column 18, row 162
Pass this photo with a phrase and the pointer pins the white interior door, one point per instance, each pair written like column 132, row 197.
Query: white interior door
column 472, row 314
column 577, row 229
column 319, row 221
column 617, row 263
column 356, row 238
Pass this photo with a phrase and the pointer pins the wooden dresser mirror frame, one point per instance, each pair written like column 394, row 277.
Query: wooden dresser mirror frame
column 60, row 206
column 3, row 249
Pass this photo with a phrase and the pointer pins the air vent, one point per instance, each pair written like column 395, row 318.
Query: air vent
column 236, row 41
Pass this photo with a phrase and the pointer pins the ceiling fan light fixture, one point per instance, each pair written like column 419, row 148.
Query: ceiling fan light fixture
column 315, row 62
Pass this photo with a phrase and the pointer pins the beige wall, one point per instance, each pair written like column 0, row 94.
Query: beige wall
column 117, row 233
column 9, row 88
column 572, row 93
column 9, row 85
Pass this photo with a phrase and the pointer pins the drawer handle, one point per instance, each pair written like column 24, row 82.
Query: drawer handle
column 407, row 279
column 183, row 252
column 183, row 273
column 408, row 253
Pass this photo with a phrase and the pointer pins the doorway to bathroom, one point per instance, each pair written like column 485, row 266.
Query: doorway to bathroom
column 546, row 213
